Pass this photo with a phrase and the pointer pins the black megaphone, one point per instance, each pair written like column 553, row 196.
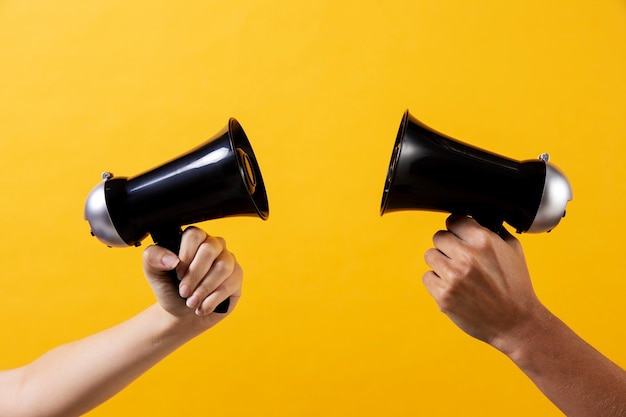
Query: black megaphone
column 219, row 178
column 431, row 171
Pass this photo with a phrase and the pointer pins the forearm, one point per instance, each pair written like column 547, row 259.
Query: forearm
column 577, row 378
column 74, row 378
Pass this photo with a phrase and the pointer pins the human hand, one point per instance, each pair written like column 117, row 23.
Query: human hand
column 208, row 274
column 480, row 280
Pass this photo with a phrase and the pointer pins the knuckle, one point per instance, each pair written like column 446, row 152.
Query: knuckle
column 222, row 266
column 195, row 231
column 209, row 248
column 482, row 240
column 201, row 293
column 453, row 276
column 463, row 270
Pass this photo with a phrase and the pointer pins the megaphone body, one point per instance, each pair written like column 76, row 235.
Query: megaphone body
column 431, row 171
column 220, row 178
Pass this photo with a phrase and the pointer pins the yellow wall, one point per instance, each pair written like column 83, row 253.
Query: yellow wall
column 334, row 319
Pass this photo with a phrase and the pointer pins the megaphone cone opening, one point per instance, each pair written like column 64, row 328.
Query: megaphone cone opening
column 249, row 168
column 395, row 156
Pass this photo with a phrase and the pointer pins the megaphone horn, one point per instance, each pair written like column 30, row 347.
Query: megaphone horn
column 431, row 171
column 219, row 178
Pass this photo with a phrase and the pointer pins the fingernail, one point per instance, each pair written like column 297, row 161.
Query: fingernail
column 184, row 291
column 192, row 301
column 170, row 261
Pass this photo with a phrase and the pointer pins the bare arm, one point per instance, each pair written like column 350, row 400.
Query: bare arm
column 74, row 378
column 481, row 281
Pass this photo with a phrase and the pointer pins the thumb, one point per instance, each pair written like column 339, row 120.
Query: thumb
column 158, row 261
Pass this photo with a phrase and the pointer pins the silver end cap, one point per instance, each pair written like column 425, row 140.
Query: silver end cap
column 556, row 193
column 97, row 214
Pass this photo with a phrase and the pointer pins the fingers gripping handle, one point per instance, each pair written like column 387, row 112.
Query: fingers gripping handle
column 170, row 238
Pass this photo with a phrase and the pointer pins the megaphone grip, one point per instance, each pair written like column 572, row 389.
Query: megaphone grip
column 170, row 238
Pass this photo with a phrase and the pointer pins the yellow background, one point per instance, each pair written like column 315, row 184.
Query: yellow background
column 334, row 320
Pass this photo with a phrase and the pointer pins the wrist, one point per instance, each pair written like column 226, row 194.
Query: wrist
column 175, row 330
column 535, row 326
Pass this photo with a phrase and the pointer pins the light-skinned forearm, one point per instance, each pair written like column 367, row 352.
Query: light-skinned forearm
column 74, row 378
column 577, row 378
